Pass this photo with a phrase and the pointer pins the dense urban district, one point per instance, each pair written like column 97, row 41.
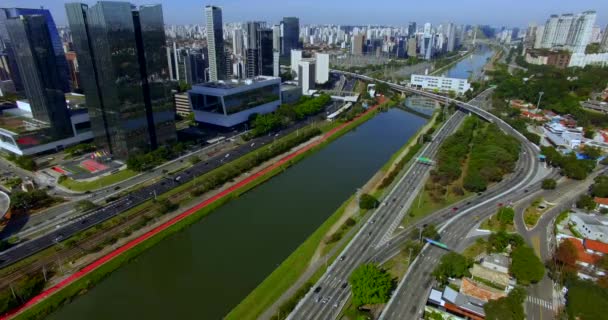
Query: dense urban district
column 288, row 171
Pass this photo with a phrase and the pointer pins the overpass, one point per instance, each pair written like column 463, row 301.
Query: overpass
column 485, row 115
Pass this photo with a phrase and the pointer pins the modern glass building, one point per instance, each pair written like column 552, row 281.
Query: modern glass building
column 124, row 74
column 230, row 103
column 265, row 51
column 215, row 44
column 57, row 47
column 39, row 72
column 291, row 35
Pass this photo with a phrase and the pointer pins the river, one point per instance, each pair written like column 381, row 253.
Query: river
column 470, row 65
column 208, row 268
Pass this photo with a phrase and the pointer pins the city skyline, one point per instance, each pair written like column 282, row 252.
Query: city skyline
column 496, row 14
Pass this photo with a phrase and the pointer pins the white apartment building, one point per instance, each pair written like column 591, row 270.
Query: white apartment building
column 442, row 84
column 322, row 68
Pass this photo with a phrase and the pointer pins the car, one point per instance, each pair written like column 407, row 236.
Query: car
column 342, row 258
column 370, row 233
column 324, row 301
column 468, row 203
column 372, row 221
column 455, row 209
column 394, row 199
column 318, row 299
column 227, row 155
column 335, row 305
column 344, row 285
column 116, row 188
column 525, row 190
column 317, row 289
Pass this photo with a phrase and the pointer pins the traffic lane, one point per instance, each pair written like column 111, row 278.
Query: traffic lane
column 361, row 250
column 23, row 250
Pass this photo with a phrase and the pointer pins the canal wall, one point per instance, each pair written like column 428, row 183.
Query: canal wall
column 50, row 299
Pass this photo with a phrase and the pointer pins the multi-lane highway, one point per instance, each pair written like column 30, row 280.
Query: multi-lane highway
column 132, row 199
column 331, row 291
column 323, row 303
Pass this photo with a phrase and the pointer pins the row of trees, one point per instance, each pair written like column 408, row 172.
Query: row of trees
column 493, row 155
column 570, row 166
column 287, row 114
column 235, row 168
column 509, row 307
column 20, row 292
column 79, row 149
column 147, row 161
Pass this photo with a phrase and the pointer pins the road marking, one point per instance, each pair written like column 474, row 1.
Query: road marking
column 540, row 302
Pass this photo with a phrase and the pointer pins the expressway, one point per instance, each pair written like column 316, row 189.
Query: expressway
column 324, row 302
column 330, row 293
column 132, row 199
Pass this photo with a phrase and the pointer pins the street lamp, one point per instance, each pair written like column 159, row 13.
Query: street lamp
column 540, row 95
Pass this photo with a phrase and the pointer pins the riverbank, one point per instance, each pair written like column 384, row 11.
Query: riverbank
column 98, row 269
column 279, row 292
column 451, row 64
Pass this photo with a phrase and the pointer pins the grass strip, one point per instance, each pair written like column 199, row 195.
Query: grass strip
column 102, row 182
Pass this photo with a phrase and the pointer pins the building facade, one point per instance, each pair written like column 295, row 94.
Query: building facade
column 290, row 30
column 306, row 75
column 215, row 44
column 230, row 103
column 442, row 84
column 124, row 73
column 40, row 74
column 57, row 48
column 322, row 68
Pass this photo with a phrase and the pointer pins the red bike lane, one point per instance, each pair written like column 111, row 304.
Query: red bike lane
column 99, row 262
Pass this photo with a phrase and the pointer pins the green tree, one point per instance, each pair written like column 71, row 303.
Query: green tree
column 592, row 152
column 370, row 285
column 586, row 300
column 430, row 231
column 85, row 205
column 526, row 267
column 549, row 184
column 507, row 308
column 452, row 265
column 499, row 241
column 367, row 201
column 586, row 202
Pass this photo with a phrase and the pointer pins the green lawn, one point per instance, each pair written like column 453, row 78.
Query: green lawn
column 99, row 183
column 424, row 205
column 494, row 225
column 475, row 249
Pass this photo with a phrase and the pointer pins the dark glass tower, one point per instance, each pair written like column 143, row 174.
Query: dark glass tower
column 124, row 75
column 39, row 72
column 265, row 59
column 57, row 47
column 291, row 35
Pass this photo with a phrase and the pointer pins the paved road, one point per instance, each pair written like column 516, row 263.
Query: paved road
column 409, row 299
column 375, row 235
column 132, row 199
column 5, row 203
column 543, row 300
column 28, row 225
column 359, row 250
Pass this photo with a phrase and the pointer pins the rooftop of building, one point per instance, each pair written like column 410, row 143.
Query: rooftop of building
column 18, row 121
column 480, row 291
column 582, row 254
column 498, row 259
column 235, row 83
column 463, row 301
column 595, row 245
column 592, row 219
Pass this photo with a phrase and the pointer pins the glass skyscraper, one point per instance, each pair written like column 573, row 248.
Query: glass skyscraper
column 291, row 35
column 57, row 47
column 215, row 44
column 124, row 74
column 39, row 72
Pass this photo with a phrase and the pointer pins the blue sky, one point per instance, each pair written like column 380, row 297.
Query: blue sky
column 393, row 12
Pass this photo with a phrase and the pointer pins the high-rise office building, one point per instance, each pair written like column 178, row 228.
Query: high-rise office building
column 276, row 71
column 215, row 44
column 124, row 74
column 357, row 44
column 291, row 35
column 57, row 48
column 451, row 35
column 265, row 52
column 581, row 30
column 276, row 37
column 321, row 68
column 252, row 56
column 41, row 76
column 306, row 75
column 195, row 64
column 296, row 57
column 237, row 42
column 411, row 29
column 412, row 47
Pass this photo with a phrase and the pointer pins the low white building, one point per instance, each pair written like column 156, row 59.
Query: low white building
column 306, row 75
column 496, row 262
column 296, row 57
column 582, row 59
column 559, row 135
column 442, row 84
column 590, row 226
